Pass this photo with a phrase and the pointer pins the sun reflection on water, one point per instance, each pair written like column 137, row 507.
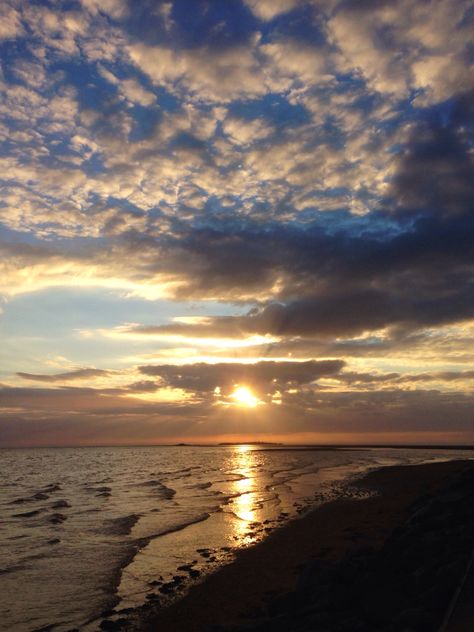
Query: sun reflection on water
column 243, row 505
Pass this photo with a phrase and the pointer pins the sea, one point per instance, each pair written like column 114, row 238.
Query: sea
column 88, row 532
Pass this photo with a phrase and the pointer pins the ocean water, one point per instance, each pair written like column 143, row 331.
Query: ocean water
column 85, row 530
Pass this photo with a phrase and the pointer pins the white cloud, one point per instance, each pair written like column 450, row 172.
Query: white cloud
column 405, row 45
column 269, row 9
column 290, row 60
column 115, row 8
column 10, row 22
column 244, row 132
column 130, row 89
column 211, row 75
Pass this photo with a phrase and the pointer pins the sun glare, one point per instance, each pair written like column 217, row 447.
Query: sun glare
column 243, row 396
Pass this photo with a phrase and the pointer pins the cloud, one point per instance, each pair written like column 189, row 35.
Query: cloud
column 291, row 60
column 444, row 379
column 420, row 416
column 262, row 376
column 405, row 45
column 130, row 89
column 243, row 132
column 434, row 173
column 77, row 374
column 114, row 8
column 214, row 75
column 10, row 22
column 269, row 9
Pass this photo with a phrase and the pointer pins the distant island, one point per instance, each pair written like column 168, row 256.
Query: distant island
column 249, row 443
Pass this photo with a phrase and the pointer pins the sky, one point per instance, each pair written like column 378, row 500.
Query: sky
column 235, row 220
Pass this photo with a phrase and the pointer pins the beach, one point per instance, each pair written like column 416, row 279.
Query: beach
column 234, row 537
column 392, row 561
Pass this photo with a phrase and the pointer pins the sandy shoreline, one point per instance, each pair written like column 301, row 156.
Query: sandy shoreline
column 279, row 583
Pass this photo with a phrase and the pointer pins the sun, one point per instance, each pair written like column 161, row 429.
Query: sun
column 243, row 396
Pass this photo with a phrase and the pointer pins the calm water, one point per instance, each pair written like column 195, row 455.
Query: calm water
column 87, row 529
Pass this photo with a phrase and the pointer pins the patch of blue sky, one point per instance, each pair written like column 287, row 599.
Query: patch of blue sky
column 299, row 24
column 439, row 114
column 93, row 90
column 217, row 206
column 366, row 102
column 211, row 23
column 56, row 322
column 187, row 142
column 168, row 101
column 273, row 108
column 59, row 151
column 10, row 52
column 145, row 122
column 60, row 311
column 329, row 134
column 28, row 352
column 15, row 237
column 125, row 204
column 94, row 165
column 341, row 220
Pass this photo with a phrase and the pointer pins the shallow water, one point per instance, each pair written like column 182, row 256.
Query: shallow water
column 85, row 530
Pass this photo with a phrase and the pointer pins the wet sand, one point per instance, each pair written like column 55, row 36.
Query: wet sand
column 389, row 562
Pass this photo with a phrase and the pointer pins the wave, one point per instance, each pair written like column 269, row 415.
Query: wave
column 151, row 483
column 30, row 499
column 179, row 527
column 12, row 569
column 41, row 494
column 166, row 493
column 205, row 485
column 29, row 514
column 122, row 525
column 59, row 504
column 52, row 487
column 159, row 488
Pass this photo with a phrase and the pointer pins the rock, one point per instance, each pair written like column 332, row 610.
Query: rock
column 154, row 598
column 126, row 611
column 107, row 624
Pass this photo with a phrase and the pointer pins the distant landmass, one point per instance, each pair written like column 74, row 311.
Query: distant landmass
column 249, row 443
